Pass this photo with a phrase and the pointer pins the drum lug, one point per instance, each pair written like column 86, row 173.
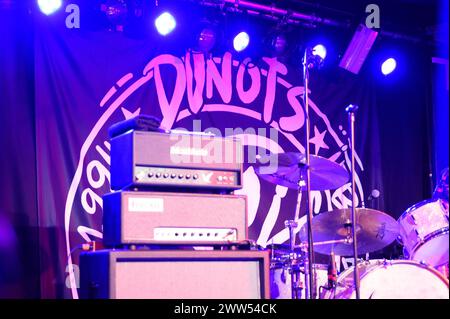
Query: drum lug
column 406, row 253
column 386, row 262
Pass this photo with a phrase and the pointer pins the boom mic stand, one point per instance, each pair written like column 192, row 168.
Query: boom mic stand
column 351, row 110
column 309, row 61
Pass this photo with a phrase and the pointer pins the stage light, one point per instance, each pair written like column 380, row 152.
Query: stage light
column 279, row 44
column 358, row 49
column 241, row 41
column 388, row 66
column 320, row 50
column 165, row 23
column 49, row 7
column 206, row 39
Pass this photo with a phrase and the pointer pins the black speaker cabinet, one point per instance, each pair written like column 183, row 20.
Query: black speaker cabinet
column 177, row 274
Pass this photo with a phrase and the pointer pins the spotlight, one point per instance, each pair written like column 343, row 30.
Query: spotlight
column 116, row 12
column 49, row 7
column 320, row 50
column 165, row 23
column 241, row 41
column 279, row 44
column 388, row 66
column 206, row 39
column 314, row 57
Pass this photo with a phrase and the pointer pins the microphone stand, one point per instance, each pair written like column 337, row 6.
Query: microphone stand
column 351, row 110
column 309, row 271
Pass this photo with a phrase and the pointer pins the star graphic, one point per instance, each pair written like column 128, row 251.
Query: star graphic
column 128, row 114
column 318, row 141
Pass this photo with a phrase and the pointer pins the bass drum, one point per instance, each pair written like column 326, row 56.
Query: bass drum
column 398, row 279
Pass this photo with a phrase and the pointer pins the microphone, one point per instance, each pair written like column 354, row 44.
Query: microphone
column 373, row 195
column 332, row 273
column 351, row 108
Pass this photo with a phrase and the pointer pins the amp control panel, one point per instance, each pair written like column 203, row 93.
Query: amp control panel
column 170, row 176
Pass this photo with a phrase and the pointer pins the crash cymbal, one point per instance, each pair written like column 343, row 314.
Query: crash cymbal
column 374, row 231
column 285, row 169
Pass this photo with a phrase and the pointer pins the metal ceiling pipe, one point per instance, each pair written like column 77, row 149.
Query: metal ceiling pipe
column 285, row 13
column 295, row 17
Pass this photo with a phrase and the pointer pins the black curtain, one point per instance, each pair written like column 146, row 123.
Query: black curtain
column 19, row 246
column 404, row 105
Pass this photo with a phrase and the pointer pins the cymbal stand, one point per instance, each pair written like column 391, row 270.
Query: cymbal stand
column 351, row 110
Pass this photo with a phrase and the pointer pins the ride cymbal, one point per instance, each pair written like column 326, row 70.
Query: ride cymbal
column 374, row 231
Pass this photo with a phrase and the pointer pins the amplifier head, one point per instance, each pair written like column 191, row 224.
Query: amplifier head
column 148, row 159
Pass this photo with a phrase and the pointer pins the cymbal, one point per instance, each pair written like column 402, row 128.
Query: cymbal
column 285, row 169
column 374, row 231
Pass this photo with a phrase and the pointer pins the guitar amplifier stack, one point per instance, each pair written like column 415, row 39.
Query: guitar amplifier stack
column 172, row 195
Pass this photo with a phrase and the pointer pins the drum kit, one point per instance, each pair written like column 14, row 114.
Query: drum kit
column 422, row 230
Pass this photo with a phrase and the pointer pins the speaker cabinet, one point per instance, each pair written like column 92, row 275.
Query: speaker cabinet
column 178, row 274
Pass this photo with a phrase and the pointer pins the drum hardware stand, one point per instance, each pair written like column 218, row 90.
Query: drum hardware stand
column 351, row 110
column 347, row 240
column 294, row 269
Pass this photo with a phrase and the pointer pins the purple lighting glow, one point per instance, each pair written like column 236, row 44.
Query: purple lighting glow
column 320, row 50
column 388, row 66
column 49, row 7
column 165, row 23
column 241, row 41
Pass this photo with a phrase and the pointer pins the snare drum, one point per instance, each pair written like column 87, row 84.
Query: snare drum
column 280, row 280
column 398, row 279
column 424, row 232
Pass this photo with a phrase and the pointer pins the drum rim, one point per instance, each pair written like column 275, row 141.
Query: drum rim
column 418, row 205
column 386, row 262
column 429, row 237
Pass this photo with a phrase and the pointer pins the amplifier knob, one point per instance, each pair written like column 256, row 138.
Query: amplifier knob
column 173, row 175
column 188, row 176
column 158, row 175
column 150, row 174
column 180, row 176
column 166, row 175
column 195, row 176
